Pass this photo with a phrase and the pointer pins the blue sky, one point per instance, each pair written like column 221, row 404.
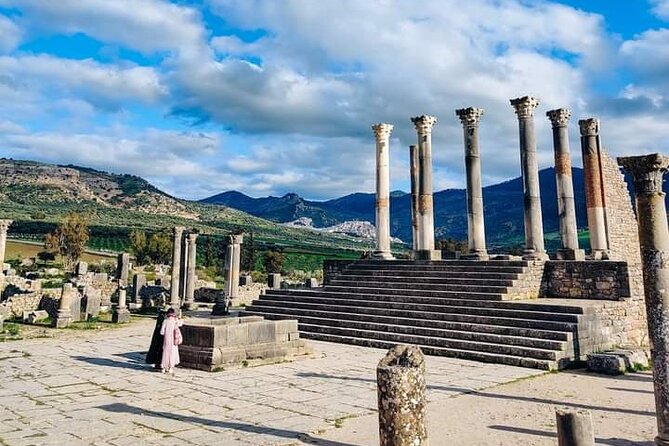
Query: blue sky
column 269, row 97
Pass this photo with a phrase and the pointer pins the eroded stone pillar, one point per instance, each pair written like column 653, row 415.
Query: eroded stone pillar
column 189, row 297
column 176, row 266
column 565, row 187
column 382, row 134
column 593, row 186
column 534, row 231
column 470, row 118
column 237, row 241
column 426, row 249
column 647, row 174
column 4, row 226
column 64, row 314
column 574, row 428
column 121, row 314
column 400, row 378
column 231, row 273
column 122, row 267
column 413, row 169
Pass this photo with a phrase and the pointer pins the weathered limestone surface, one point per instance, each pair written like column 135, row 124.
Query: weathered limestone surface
column 414, row 169
column 64, row 316
column 382, row 135
column 588, row 279
column 594, row 186
column 274, row 281
column 648, row 174
column 574, row 428
column 606, row 363
column 400, row 378
column 121, row 314
column 176, row 266
column 138, row 282
column 534, row 231
column 565, row 187
column 426, row 249
column 4, row 226
column 210, row 344
column 122, row 268
column 470, row 118
column 189, row 297
column 231, row 271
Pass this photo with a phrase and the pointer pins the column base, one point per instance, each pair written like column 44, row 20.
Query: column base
column 570, row 254
column 121, row 316
column 63, row 319
column 531, row 254
column 220, row 309
column 480, row 256
column 427, row 254
column 382, row 255
column 189, row 305
column 599, row 254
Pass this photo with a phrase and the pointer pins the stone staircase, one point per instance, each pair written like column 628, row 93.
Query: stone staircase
column 450, row 308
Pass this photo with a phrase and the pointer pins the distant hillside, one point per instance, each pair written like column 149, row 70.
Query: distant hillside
column 503, row 208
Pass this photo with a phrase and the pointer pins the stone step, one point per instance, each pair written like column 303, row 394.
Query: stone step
column 443, row 268
column 428, row 280
column 517, row 263
column 403, row 292
column 438, row 351
column 359, row 313
column 463, row 275
column 420, row 299
column 384, row 324
column 419, row 286
column 535, row 313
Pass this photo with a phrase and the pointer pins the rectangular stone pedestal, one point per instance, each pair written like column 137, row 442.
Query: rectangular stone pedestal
column 426, row 254
column 570, row 254
column 121, row 316
column 213, row 344
column 63, row 319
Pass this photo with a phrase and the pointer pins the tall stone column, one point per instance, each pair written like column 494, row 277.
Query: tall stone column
column 413, row 169
column 176, row 266
column 426, row 249
column 534, row 231
column 223, row 301
column 647, row 173
column 470, row 118
column 565, row 187
column 382, row 134
column 237, row 241
column 189, row 298
column 593, row 185
column 4, row 226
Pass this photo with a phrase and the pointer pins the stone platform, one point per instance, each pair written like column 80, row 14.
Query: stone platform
column 215, row 343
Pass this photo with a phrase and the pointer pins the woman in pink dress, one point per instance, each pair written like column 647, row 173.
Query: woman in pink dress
column 170, row 349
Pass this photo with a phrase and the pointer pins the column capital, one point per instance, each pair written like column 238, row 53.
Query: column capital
column 192, row 236
column 525, row 106
column 470, row 116
column 4, row 225
column 647, row 171
column 424, row 123
column 178, row 230
column 589, row 126
column 382, row 131
column 236, row 239
column 559, row 117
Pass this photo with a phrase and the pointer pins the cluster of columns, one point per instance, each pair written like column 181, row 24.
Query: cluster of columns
column 233, row 252
column 184, row 261
column 422, row 218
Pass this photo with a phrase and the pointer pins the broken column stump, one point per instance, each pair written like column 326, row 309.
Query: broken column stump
column 574, row 428
column 400, row 377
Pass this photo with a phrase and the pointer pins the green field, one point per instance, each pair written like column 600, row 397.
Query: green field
column 21, row 250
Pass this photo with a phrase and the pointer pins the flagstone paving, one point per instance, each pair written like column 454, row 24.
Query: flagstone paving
column 93, row 388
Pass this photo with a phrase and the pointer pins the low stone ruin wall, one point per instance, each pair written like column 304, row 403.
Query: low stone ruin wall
column 586, row 280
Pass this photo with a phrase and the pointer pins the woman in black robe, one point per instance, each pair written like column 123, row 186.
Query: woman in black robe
column 155, row 353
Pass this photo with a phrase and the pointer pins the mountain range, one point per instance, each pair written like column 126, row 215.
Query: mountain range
column 503, row 204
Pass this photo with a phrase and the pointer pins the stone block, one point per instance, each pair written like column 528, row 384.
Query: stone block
column 286, row 326
column 311, row 283
column 246, row 280
column 138, row 282
column 274, row 281
column 90, row 303
column 260, row 332
column 121, row 316
column 237, row 334
column 81, row 268
column 633, row 358
column 606, row 363
column 36, row 316
column 75, row 306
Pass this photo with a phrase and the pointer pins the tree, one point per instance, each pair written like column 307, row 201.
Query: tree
column 160, row 247
column 273, row 261
column 248, row 253
column 138, row 246
column 69, row 239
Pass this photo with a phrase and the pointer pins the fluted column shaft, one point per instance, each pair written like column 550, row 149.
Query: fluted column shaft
column 424, row 126
column 565, row 187
column 176, row 266
column 189, row 297
column 470, row 118
column 593, row 185
column 648, row 172
column 382, row 134
column 534, row 231
column 413, row 169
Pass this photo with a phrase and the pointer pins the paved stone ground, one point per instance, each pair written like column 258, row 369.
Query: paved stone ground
column 92, row 388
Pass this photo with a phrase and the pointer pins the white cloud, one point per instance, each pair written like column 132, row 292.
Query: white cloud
column 661, row 8
column 10, row 34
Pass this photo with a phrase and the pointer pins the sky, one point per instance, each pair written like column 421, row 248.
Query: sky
column 277, row 96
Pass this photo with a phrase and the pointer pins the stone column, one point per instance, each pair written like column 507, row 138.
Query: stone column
column 189, row 298
column 470, row 118
column 121, row 314
column 534, row 231
column 382, row 134
column 223, row 302
column 183, row 268
column 413, row 162
column 593, row 185
column 426, row 249
column 400, row 378
column 4, row 226
column 565, row 187
column 138, row 282
column 237, row 241
column 64, row 314
column 122, row 266
column 574, row 428
column 176, row 264
column 647, row 174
